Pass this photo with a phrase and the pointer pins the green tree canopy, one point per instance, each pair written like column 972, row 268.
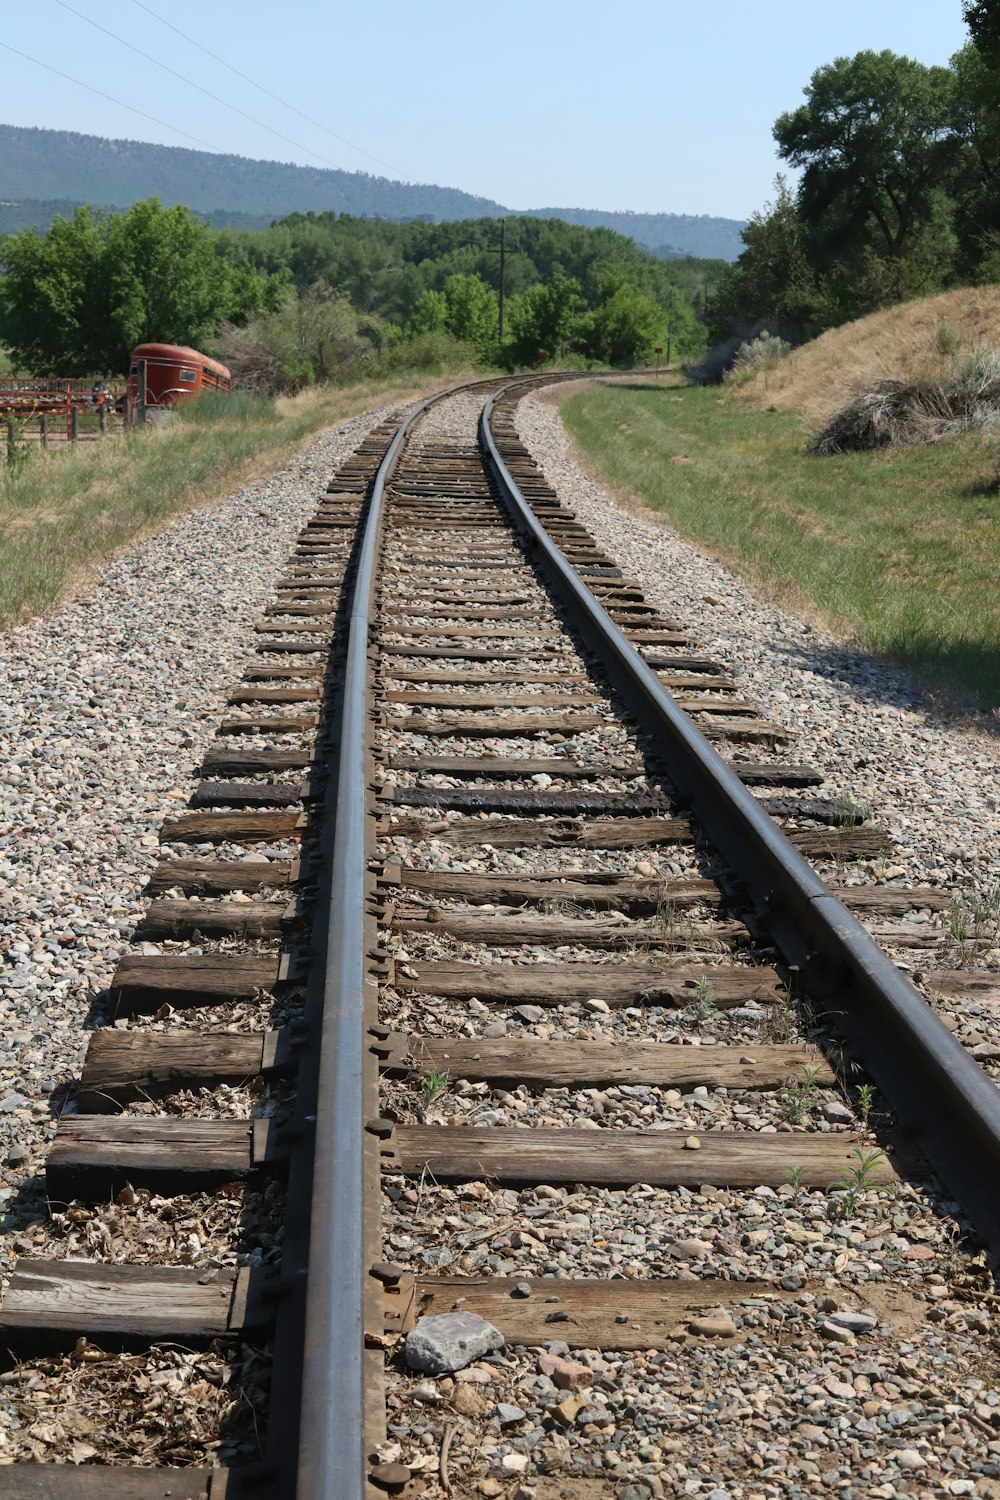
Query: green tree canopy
column 876, row 140
column 471, row 312
column 542, row 319
column 80, row 298
column 983, row 20
column 773, row 281
column 429, row 314
column 626, row 325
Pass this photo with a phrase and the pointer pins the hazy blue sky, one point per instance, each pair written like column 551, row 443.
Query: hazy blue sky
column 535, row 103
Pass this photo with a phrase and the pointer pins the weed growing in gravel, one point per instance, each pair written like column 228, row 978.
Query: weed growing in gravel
column 795, row 1178
column 668, row 922
column 974, row 923
column 704, row 1001
column 854, row 1182
column 960, row 930
column 434, row 1085
column 559, row 906
column 843, row 813
column 866, row 1097
column 675, row 928
column 800, row 1096
column 783, row 1017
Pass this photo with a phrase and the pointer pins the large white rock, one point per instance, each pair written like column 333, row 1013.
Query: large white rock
column 450, row 1341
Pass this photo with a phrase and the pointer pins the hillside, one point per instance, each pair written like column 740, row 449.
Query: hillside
column 663, row 235
column 47, row 171
column 38, row 213
column 902, row 342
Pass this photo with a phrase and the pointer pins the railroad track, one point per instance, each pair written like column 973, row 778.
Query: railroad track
column 469, row 953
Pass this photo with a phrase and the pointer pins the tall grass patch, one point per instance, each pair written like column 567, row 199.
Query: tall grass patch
column 897, row 549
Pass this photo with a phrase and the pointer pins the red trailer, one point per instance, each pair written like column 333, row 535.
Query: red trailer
column 174, row 373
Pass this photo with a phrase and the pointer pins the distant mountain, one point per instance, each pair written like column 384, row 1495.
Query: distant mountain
column 663, row 235
column 44, row 172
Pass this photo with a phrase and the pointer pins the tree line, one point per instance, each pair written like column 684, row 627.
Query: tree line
column 899, row 193
column 324, row 296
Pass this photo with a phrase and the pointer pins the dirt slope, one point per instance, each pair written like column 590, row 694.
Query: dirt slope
column 900, row 343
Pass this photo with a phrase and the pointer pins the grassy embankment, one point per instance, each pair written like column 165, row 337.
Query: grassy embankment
column 71, row 509
column 897, row 550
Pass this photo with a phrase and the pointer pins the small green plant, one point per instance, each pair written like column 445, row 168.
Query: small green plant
column 844, row 813
column 985, row 910
column 866, row 1097
column 673, row 927
column 800, row 1096
column 434, row 1085
column 795, row 1177
column 974, row 922
column 948, row 340
column 559, row 906
column 783, row 1016
column 704, row 1002
column 854, row 1181
column 837, row 1058
column 960, row 930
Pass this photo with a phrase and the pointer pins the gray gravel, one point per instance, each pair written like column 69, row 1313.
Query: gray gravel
column 863, row 722
column 863, row 1370
column 105, row 709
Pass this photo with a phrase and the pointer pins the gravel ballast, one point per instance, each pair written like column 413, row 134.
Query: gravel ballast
column 105, row 710
column 863, row 722
column 864, row 1365
column 117, row 696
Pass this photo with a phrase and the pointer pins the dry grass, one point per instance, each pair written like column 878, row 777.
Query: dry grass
column 902, row 343
column 70, row 510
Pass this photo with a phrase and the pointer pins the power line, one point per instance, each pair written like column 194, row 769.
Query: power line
column 120, row 102
column 190, row 82
column 253, row 84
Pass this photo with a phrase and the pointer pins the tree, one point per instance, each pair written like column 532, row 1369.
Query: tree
column 983, row 20
column 876, row 141
column 977, row 186
column 429, row 314
column 313, row 338
column 541, row 320
column 773, row 281
column 80, row 298
column 626, row 325
column 471, row 312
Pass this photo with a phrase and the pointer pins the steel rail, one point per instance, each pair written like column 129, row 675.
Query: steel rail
column 331, row 1459
column 941, row 1096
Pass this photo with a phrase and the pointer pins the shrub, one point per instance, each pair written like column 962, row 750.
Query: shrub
column 761, row 353
column 433, row 352
column 310, row 339
column 713, row 365
column 918, row 411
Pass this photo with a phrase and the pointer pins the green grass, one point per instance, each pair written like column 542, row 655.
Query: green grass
column 898, row 551
column 74, row 507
